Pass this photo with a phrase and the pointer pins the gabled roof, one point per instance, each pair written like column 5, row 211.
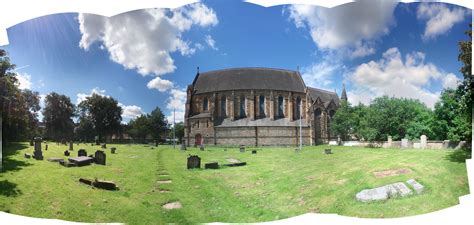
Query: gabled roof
column 325, row 96
column 248, row 79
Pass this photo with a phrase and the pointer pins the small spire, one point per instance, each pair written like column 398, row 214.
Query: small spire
column 344, row 94
column 198, row 69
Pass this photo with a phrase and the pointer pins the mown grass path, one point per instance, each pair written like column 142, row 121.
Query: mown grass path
column 277, row 183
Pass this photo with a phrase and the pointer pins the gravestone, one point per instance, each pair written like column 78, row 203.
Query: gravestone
column 446, row 144
column 389, row 141
column 112, row 150
column 423, row 141
column 211, row 165
column 27, row 155
column 327, row 151
column 71, row 146
column 81, row 160
column 31, row 143
column 254, row 151
column 416, row 186
column 242, row 148
column 194, row 162
column 67, row 153
column 38, row 154
column 46, row 147
column 100, row 157
column 82, row 152
column 103, row 145
column 201, row 147
column 404, row 143
column 183, row 146
column 55, row 159
column 460, row 145
column 96, row 138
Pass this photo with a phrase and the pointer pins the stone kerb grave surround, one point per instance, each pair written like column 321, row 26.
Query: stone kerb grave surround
column 394, row 190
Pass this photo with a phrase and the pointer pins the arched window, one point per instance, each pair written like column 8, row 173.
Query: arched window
column 223, row 106
column 317, row 113
column 280, row 106
column 242, row 106
column 331, row 113
column 205, row 104
column 261, row 105
column 298, row 108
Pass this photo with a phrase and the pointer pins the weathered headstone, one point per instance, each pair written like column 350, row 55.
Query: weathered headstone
column 96, row 138
column 46, row 147
column 201, row 147
column 55, row 159
column 404, row 143
column 416, row 186
column 446, row 144
column 183, row 146
column 31, row 143
column 81, row 160
column 82, row 152
column 112, row 150
column 67, row 153
column 38, row 154
column 254, row 151
column 71, row 146
column 327, row 151
column 242, row 148
column 100, row 157
column 211, row 165
column 194, row 162
column 460, row 145
column 423, row 141
column 27, row 155
column 103, row 145
column 389, row 141
column 384, row 192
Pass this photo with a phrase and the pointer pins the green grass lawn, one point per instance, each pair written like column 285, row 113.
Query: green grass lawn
column 276, row 183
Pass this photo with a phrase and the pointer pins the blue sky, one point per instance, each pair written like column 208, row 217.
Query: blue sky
column 147, row 58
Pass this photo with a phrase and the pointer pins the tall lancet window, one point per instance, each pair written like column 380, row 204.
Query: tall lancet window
column 280, row 106
column 242, row 106
column 205, row 104
column 223, row 106
column 298, row 108
column 261, row 105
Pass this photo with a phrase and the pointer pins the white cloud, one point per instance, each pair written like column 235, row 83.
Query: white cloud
column 176, row 101
column 450, row 81
column 131, row 111
column 82, row 96
column 439, row 18
column 211, row 42
column 352, row 26
column 320, row 74
column 144, row 39
column 396, row 77
column 160, row 84
column 24, row 81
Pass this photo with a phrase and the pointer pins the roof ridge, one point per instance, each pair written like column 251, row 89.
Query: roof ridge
column 330, row 92
column 264, row 68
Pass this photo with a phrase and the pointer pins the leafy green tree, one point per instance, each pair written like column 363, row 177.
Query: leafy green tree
column 179, row 131
column 450, row 121
column 140, row 127
column 104, row 113
column 157, row 123
column 57, row 116
column 343, row 123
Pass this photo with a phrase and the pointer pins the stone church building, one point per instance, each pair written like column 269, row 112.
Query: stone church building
column 257, row 107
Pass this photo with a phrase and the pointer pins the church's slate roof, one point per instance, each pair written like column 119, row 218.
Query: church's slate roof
column 248, row 79
column 325, row 96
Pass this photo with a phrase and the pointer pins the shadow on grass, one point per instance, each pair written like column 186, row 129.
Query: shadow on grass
column 459, row 156
column 8, row 189
column 10, row 164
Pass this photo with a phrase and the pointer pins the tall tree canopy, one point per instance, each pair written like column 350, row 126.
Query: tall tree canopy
column 104, row 113
column 57, row 115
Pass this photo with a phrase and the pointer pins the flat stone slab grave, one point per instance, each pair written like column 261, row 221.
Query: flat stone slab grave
column 81, row 160
column 233, row 160
column 172, row 205
column 389, row 173
column 164, row 182
column 389, row 191
column 55, row 159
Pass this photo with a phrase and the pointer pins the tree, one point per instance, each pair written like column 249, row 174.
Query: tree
column 157, row 123
column 463, row 129
column 57, row 116
column 450, row 119
column 140, row 127
column 179, row 129
column 32, row 100
column 104, row 113
column 343, row 123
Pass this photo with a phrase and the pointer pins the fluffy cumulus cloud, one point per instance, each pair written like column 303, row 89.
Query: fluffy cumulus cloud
column 160, row 84
column 211, row 42
column 129, row 111
column 351, row 27
column 176, row 102
column 439, row 18
column 24, row 81
column 392, row 75
column 145, row 39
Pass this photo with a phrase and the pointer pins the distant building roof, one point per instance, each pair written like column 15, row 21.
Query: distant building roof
column 325, row 96
column 248, row 79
